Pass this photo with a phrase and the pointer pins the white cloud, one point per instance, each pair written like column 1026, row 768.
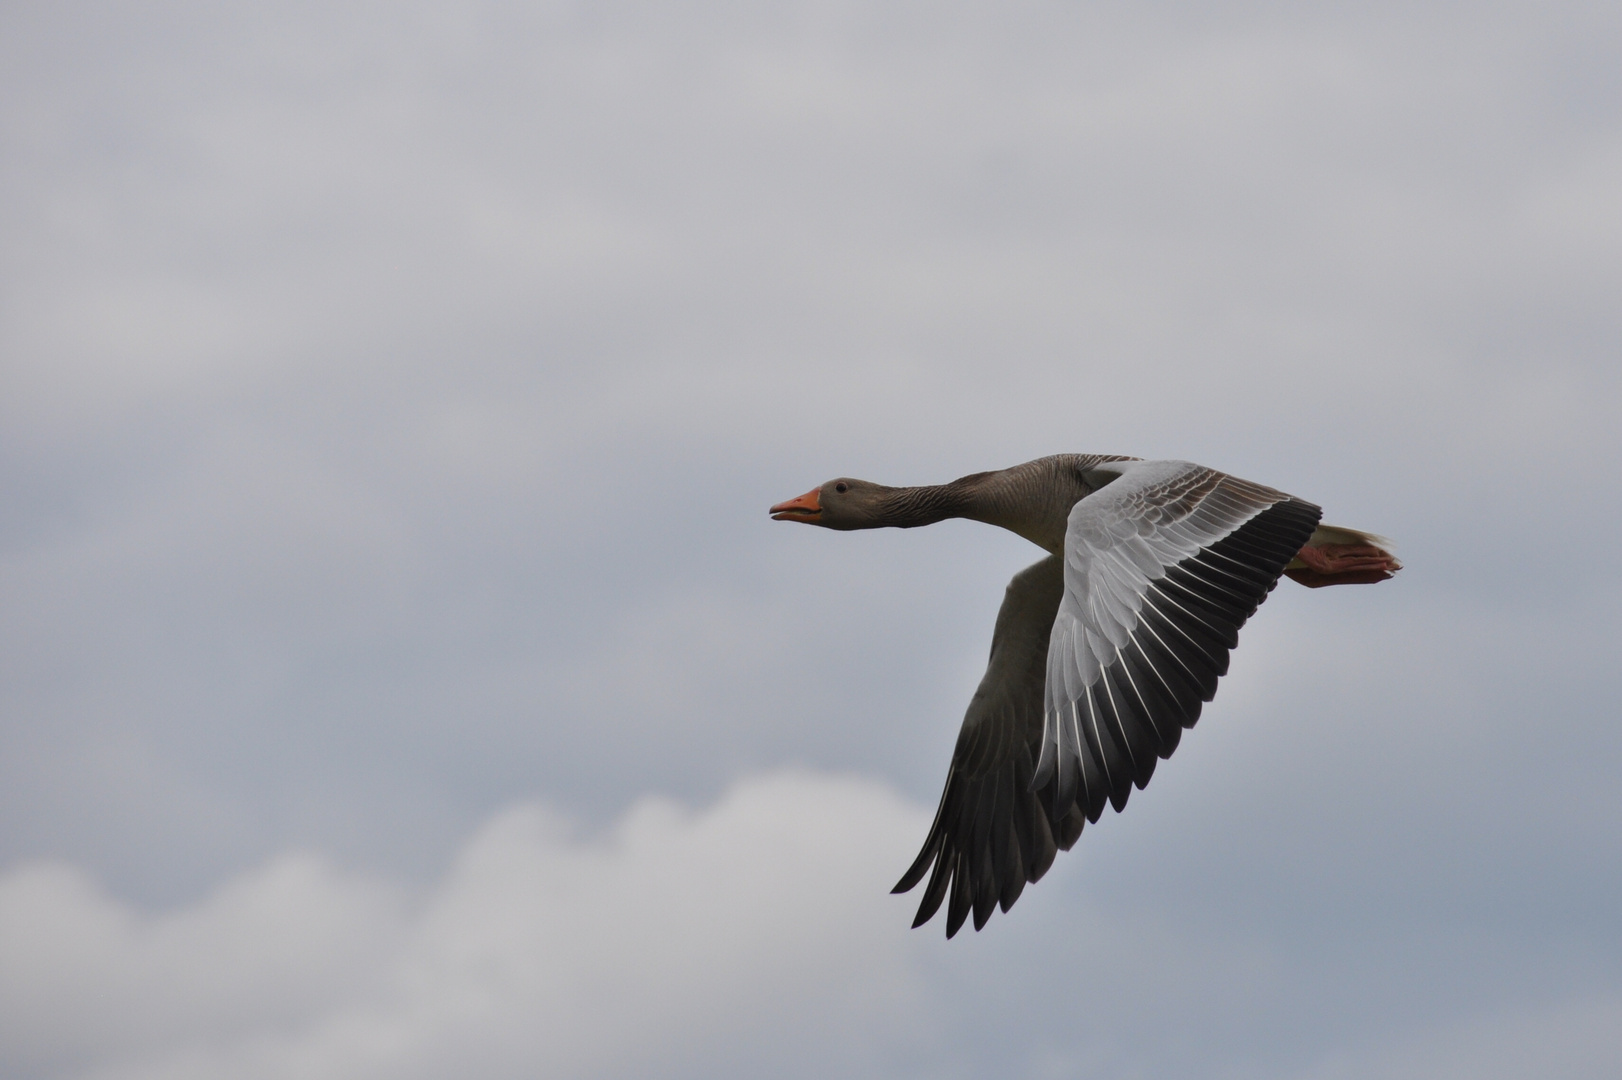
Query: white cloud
column 673, row 942
column 749, row 938
column 88, row 981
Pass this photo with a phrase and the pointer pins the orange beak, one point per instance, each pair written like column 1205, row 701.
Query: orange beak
column 807, row 507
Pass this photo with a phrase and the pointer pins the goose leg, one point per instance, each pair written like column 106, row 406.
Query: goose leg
column 1317, row 565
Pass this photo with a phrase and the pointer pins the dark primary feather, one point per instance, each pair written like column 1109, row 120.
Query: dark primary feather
column 991, row 833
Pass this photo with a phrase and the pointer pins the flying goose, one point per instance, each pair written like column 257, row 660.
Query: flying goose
column 1103, row 652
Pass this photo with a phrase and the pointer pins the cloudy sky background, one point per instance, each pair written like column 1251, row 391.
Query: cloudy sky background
column 401, row 678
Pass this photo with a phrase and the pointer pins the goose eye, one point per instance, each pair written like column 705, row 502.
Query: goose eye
column 841, row 488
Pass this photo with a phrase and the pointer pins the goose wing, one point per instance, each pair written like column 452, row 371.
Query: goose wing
column 991, row 833
column 1162, row 566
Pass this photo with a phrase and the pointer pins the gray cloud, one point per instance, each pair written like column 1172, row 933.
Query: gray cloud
column 392, row 395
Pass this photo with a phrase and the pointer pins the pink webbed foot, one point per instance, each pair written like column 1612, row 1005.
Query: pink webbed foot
column 1317, row 565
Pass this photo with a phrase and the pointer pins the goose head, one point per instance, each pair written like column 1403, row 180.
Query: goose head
column 840, row 504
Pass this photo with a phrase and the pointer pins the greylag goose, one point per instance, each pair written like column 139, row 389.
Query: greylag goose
column 1103, row 652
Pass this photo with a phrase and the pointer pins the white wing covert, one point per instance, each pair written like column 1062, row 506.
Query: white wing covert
column 1162, row 566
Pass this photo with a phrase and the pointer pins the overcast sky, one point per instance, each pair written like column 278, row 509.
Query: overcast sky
column 400, row 676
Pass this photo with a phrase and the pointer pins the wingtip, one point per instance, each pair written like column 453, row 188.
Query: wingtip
column 915, row 872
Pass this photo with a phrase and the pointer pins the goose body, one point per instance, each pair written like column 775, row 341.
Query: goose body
column 1103, row 651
